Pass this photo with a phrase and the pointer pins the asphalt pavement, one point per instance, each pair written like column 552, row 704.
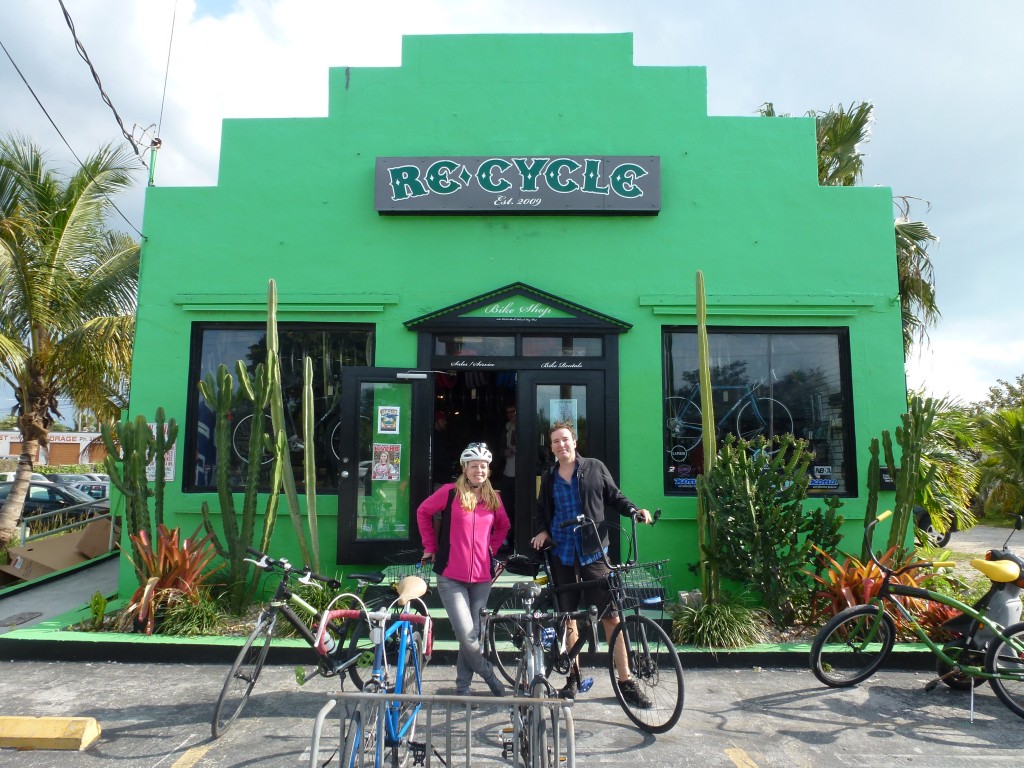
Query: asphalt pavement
column 738, row 716
column 159, row 715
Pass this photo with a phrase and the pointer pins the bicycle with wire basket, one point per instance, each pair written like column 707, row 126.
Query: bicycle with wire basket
column 855, row 643
column 337, row 648
column 635, row 589
column 751, row 416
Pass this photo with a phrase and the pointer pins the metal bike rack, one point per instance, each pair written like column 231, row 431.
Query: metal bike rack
column 452, row 725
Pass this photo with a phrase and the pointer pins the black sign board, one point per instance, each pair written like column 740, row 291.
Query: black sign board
column 595, row 184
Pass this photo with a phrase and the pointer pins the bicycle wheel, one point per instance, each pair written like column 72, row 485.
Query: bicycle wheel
column 852, row 646
column 684, row 425
column 763, row 416
column 1005, row 660
column 242, row 676
column 408, row 713
column 505, row 638
column 361, row 647
column 656, row 672
column 334, row 441
column 241, row 439
column 362, row 747
column 535, row 736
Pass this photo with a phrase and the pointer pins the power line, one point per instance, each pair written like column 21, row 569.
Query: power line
column 68, row 145
column 95, row 76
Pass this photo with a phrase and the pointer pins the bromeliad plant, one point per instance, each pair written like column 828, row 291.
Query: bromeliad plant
column 175, row 569
column 852, row 582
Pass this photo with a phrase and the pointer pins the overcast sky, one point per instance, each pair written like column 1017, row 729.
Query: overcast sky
column 946, row 78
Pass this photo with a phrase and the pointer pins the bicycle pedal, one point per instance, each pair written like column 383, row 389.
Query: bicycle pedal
column 586, row 684
column 931, row 685
column 418, row 749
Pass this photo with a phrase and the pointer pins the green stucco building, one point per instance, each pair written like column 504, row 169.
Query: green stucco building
column 517, row 221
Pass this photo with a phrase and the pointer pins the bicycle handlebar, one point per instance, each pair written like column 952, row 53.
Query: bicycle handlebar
column 356, row 613
column 307, row 575
column 634, row 518
column 909, row 566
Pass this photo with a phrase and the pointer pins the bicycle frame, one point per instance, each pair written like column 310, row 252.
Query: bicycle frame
column 384, row 624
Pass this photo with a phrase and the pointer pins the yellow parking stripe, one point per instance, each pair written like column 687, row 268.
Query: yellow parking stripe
column 740, row 758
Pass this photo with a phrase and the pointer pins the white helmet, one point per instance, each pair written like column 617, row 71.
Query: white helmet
column 475, row 452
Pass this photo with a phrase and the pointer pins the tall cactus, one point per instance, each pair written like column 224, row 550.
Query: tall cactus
column 706, row 533
column 309, row 458
column 131, row 448
column 239, row 528
column 277, row 416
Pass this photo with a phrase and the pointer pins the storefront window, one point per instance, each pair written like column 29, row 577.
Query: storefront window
column 562, row 346
column 330, row 347
column 763, row 383
column 475, row 346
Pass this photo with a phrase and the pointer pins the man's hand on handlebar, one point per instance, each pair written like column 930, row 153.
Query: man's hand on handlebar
column 540, row 540
column 643, row 516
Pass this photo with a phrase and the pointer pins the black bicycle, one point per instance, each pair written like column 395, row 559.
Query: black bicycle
column 338, row 647
column 653, row 662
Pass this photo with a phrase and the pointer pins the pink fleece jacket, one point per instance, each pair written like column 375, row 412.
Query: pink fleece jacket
column 474, row 535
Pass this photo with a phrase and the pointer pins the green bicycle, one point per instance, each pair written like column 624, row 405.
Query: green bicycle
column 855, row 643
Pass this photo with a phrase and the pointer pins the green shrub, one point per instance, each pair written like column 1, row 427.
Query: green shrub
column 731, row 622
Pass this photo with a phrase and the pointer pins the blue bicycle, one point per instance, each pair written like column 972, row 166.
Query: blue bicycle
column 381, row 726
column 750, row 415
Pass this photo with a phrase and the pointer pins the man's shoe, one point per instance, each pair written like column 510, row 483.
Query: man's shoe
column 463, row 690
column 633, row 695
column 571, row 687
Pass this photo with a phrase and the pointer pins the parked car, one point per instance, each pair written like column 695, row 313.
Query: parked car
column 66, row 478
column 923, row 521
column 95, row 489
column 53, row 497
column 98, row 477
column 8, row 477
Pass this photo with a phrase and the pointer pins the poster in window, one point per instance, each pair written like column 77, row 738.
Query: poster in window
column 566, row 411
column 387, row 461
column 387, row 419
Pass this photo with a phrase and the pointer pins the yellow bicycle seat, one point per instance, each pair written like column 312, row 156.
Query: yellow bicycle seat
column 1001, row 571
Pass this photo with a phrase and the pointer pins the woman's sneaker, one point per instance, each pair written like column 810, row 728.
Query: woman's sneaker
column 633, row 696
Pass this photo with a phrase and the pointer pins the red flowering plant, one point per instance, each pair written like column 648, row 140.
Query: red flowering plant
column 174, row 570
column 848, row 583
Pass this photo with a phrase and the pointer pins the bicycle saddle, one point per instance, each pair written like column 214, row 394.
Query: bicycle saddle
column 527, row 590
column 410, row 588
column 372, row 577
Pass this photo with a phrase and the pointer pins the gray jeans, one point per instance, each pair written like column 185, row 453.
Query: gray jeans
column 463, row 602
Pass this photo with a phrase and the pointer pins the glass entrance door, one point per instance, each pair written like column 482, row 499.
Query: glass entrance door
column 547, row 397
column 379, row 464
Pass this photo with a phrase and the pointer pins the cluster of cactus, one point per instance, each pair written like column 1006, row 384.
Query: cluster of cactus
column 915, row 425
column 261, row 391
column 131, row 448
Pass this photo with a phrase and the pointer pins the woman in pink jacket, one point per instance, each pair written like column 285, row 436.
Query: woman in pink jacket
column 470, row 532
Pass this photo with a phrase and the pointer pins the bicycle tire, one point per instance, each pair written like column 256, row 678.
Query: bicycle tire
column 505, row 638
column 361, row 746
column 241, row 438
column 1002, row 659
column 360, row 645
column 771, row 418
column 411, row 682
column 243, row 675
column 685, row 426
column 535, row 739
column 852, row 646
column 655, row 668
column 334, row 441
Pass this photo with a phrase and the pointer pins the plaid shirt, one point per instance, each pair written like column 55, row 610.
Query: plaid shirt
column 568, row 541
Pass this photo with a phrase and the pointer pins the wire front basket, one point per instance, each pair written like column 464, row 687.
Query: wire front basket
column 422, row 568
column 644, row 586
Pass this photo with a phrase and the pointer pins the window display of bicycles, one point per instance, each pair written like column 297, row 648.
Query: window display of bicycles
column 748, row 416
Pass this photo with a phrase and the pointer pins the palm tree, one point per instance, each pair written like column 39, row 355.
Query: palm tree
column 1002, row 465
column 840, row 132
column 68, row 287
column 949, row 473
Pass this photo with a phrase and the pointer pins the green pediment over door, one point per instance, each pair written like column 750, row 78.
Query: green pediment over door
column 517, row 307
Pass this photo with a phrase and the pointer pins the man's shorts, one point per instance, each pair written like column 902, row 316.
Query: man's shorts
column 572, row 600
